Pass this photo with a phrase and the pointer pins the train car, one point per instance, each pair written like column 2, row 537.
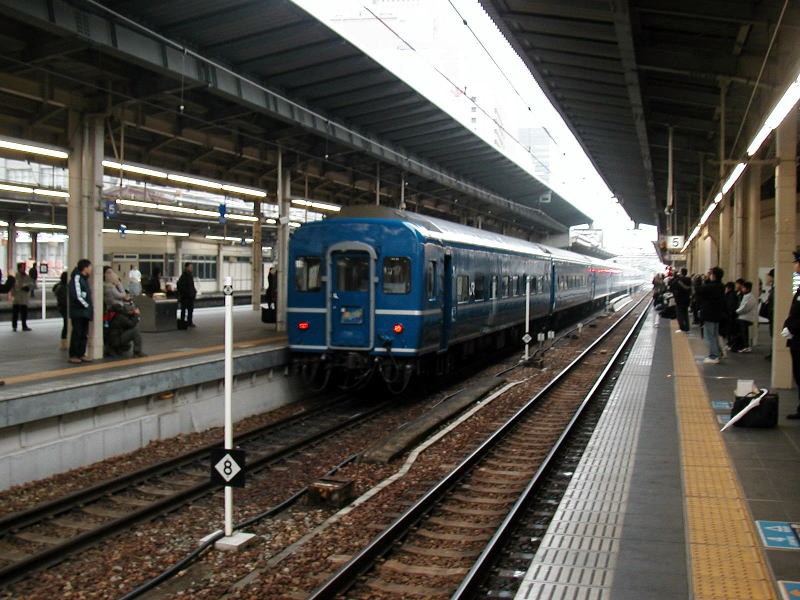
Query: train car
column 379, row 290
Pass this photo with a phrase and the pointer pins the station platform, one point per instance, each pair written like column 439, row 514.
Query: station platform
column 55, row 416
column 665, row 506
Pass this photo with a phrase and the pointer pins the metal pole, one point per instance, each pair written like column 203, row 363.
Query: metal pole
column 527, row 315
column 670, row 198
column 403, row 191
column 44, row 296
column 228, row 289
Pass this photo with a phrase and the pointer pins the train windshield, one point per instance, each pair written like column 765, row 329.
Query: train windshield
column 352, row 273
column 396, row 275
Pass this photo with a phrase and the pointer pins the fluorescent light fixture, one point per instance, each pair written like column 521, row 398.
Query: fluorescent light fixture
column 776, row 117
column 244, row 191
column 733, row 177
column 30, row 149
column 294, row 224
column 718, row 198
column 53, row 193
column 317, row 205
column 20, row 189
column 40, row 226
column 3, row 223
column 707, row 214
column 271, row 222
column 234, row 217
column 194, row 181
column 140, row 232
column 224, row 238
column 110, row 164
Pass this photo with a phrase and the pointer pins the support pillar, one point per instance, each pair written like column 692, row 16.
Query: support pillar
column 257, row 261
column 737, row 264
column 84, row 211
column 284, row 191
column 785, row 242
column 11, row 249
column 753, row 211
column 724, row 243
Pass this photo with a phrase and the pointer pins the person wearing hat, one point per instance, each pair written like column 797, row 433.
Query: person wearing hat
column 791, row 331
column 767, row 309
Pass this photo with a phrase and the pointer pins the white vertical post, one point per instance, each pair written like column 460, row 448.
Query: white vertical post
column 228, row 289
column 527, row 315
column 44, row 297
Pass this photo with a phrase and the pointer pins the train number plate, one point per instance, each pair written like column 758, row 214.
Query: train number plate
column 352, row 315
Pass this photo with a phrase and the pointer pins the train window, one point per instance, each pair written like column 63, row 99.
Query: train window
column 396, row 275
column 480, row 288
column 504, row 286
column 430, row 279
column 515, row 289
column 307, row 273
column 352, row 273
column 493, row 290
column 462, row 289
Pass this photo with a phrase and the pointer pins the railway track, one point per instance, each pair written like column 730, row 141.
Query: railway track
column 446, row 541
column 49, row 533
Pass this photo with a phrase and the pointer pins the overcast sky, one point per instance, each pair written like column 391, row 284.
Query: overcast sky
column 427, row 44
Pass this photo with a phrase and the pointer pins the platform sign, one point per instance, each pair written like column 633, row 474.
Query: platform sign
column 790, row 590
column 721, row 405
column 527, row 339
column 675, row 242
column 779, row 534
column 228, row 467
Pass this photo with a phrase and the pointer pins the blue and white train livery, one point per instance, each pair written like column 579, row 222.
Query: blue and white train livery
column 379, row 290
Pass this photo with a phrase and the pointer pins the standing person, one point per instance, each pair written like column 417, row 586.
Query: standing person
column 681, row 288
column 34, row 275
column 711, row 300
column 186, row 294
column 153, row 285
column 23, row 286
column 60, row 291
column 791, row 332
column 767, row 309
column 80, row 310
column 8, row 285
column 135, row 281
column 271, row 296
column 746, row 314
column 727, row 328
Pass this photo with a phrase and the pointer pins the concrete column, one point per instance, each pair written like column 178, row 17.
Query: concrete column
column 284, row 191
column 737, row 264
column 785, row 242
column 178, row 258
column 84, row 211
column 753, row 211
column 257, row 261
column 11, row 249
column 724, row 243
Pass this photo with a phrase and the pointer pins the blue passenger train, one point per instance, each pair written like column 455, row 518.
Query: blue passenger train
column 379, row 290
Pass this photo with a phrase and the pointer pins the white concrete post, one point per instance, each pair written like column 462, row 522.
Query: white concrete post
column 785, row 242
column 228, row 290
column 257, row 266
column 527, row 315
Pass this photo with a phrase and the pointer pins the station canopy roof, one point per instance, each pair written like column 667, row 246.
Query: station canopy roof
column 621, row 73
column 335, row 112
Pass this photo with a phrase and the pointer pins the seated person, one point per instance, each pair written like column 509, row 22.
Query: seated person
column 123, row 328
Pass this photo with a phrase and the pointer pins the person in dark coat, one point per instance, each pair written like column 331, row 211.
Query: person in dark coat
column 8, row 285
column 123, row 328
column 153, row 284
column 33, row 273
column 60, row 291
column 81, row 310
column 769, row 307
column 681, row 288
column 727, row 328
column 791, row 332
column 186, row 294
column 711, row 300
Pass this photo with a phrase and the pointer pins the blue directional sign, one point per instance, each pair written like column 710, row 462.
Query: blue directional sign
column 721, row 405
column 778, row 534
column 790, row 590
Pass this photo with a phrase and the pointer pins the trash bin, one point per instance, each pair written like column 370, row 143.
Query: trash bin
column 158, row 313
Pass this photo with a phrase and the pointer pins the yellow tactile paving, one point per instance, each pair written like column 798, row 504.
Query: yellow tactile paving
column 727, row 560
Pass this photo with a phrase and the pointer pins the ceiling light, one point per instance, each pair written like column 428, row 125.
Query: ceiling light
column 245, row 191
column 16, row 188
column 53, row 193
column 317, row 205
column 40, row 226
column 776, row 117
column 29, row 149
column 733, row 177
column 718, row 198
column 109, row 164
column 707, row 214
column 241, row 217
column 194, row 181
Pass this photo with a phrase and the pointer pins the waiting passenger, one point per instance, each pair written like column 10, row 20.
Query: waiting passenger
column 711, row 300
column 153, row 284
column 113, row 292
column 746, row 314
column 60, row 292
column 681, row 288
column 123, row 329
column 727, row 327
column 791, row 333
column 187, row 292
column 8, row 285
column 134, row 281
column 23, row 286
column 81, row 310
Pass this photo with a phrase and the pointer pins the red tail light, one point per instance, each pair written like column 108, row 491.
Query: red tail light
column 303, row 325
column 398, row 328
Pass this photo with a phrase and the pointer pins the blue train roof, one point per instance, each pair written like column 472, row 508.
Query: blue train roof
column 447, row 231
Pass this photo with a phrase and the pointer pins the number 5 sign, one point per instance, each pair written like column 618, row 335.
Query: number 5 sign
column 675, row 242
column 228, row 467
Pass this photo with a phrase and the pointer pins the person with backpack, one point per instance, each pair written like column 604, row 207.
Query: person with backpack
column 60, row 292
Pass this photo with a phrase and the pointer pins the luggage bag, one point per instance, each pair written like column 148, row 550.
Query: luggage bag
column 763, row 415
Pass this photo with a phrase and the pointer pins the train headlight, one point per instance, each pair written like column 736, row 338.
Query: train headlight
column 398, row 328
column 303, row 325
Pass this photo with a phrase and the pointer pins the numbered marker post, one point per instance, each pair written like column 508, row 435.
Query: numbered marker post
column 527, row 337
column 228, row 290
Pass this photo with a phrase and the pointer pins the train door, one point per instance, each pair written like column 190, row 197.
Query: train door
column 447, row 299
column 351, row 300
column 553, row 287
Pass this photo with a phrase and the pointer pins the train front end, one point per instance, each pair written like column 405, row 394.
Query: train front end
column 352, row 310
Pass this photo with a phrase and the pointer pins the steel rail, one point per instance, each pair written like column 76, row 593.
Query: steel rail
column 347, row 575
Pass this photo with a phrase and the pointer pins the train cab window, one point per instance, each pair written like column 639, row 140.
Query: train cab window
column 430, row 279
column 307, row 273
column 480, row 288
column 462, row 288
column 352, row 273
column 515, row 289
column 504, row 286
column 396, row 275
column 493, row 290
